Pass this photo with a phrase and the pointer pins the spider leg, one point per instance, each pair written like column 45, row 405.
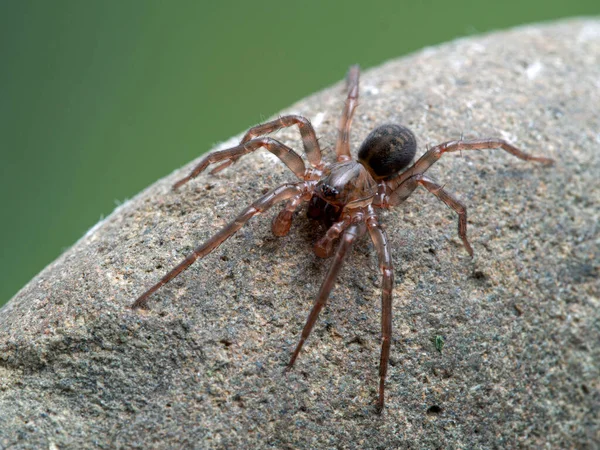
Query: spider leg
column 307, row 132
column 379, row 238
column 404, row 191
column 342, row 146
column 289, row 157
column 280, row 193
column 435, row 153
column 350, row 235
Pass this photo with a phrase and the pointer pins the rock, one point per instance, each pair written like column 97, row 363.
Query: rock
column 204, row 366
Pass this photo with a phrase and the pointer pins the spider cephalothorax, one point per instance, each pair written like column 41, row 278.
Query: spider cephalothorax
column 345, row 194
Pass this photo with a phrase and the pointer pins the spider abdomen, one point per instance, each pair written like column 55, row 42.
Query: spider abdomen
column 387, row 150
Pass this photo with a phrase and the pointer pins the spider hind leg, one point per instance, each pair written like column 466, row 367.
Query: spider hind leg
column 406, row 189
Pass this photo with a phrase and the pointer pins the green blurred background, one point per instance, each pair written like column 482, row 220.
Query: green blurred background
column 98, row 99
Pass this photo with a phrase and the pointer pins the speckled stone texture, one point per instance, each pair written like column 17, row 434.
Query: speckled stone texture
column 203, row 368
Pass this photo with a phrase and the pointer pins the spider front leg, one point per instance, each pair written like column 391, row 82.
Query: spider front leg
column 404, row 191
column 435, row 153
column 288, row 156
column 352, row 233
column 379, row 238
column 307, row 132
column 283, row 192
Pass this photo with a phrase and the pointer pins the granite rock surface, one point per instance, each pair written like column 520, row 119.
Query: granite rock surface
column 203, row 367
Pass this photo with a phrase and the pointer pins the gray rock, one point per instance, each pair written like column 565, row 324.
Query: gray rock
column 204, row 366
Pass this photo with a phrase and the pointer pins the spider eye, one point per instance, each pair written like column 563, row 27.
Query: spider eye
column 329, row 191
column 387, row 150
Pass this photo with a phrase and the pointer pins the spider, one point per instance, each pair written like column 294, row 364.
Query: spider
column 346, row 195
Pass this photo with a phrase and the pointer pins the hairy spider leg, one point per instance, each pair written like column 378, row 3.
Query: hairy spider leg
column 404, row 191
column 351, row 234
column 384, row 252
column 307, row 132
column 435, row 153
column 288, row 156
column 278, row 194
column 342, row 146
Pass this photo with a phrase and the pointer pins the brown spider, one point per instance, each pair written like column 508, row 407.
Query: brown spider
column 345, row 195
